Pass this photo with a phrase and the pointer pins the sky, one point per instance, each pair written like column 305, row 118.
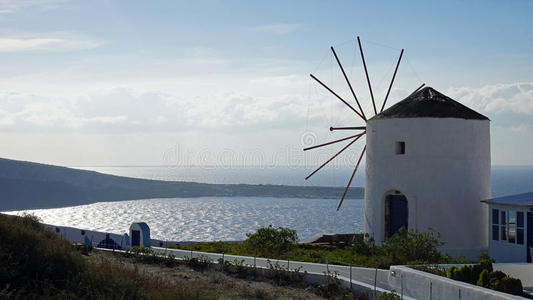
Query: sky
column 99, row 83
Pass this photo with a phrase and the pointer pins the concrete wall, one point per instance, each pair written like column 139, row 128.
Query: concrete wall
column 422, row 285
column 444, row 173
column 74, row 235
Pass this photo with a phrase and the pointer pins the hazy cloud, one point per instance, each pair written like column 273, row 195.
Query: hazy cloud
column 45, row 44
column 11, row 6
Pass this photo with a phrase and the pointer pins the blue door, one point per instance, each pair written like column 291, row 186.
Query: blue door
column 529, row 229
column 135, row 238
column 397, row 213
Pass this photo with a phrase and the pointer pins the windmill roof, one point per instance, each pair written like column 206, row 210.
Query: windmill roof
column 429, row 103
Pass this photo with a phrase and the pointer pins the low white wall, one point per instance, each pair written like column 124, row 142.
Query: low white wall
column 74, row 235
column 423, row 285
column 523, row 271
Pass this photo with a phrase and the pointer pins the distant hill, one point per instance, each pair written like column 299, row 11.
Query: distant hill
column 27, row 185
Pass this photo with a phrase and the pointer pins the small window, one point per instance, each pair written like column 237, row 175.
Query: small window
column 400, row 147
column 519, row 219
column 503, row 222
column 520, row 236
column 511, row 225
column 495, row 219
column 520, row 227
column 495, row 232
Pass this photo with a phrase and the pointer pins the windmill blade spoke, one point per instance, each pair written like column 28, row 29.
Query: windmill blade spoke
column 332, row 142
column 351, row 178
column 344, row 148
column 335, row 94
column 392, row 81
column 348, row 128
column 348, row 82
column 418, row 89
column 366, row 73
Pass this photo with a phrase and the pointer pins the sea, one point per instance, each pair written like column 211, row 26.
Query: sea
column 231, row 218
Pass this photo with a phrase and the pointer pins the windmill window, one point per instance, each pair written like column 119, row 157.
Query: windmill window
column 400, row 147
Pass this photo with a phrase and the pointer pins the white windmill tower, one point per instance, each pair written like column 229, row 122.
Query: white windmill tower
column 427, row 167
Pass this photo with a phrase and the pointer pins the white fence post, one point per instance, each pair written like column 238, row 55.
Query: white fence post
column 375, row 283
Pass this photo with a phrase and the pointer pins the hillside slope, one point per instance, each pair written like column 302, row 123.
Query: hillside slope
column 25, row 185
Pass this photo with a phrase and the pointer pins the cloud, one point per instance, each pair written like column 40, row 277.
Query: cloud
column 511, row 98
column 45, row 44
column 11, row 6
column 281, row 28
column 129, row 110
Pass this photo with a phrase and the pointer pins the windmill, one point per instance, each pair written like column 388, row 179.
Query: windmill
column 359, row 112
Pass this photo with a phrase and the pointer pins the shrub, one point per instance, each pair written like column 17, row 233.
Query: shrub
column 484, row 279
column 237, row 267
column 413, row 247
column 511, row 285
column 332, row 287
column 201, row 262
column 270, row 241
column 482, row 274
column 281, row 275
column 389, row 296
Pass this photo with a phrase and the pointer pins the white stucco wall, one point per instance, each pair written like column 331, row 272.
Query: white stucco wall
column 137, row 227
column 444, row 173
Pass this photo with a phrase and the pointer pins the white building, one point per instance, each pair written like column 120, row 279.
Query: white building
column 428, row 166
column 140, row 235
column 511, row 228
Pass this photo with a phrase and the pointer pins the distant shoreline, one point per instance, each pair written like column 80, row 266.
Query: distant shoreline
column 28, row 185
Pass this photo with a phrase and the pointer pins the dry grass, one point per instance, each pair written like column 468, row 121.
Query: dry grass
column 213, row 284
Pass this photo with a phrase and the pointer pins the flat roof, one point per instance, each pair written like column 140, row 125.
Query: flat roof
column 525, row 199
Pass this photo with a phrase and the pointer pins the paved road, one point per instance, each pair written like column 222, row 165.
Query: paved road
column 365, row 275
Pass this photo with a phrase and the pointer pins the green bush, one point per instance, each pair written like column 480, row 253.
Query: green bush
column 484, row 279
column 413, row 247
column 389, row 296
column 482, row 274
column 270, row 241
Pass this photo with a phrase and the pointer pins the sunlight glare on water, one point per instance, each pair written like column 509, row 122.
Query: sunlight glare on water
column 210, row 218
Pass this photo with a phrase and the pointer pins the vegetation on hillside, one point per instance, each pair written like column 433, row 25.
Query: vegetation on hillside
column 280, row 243
column 36, row 264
